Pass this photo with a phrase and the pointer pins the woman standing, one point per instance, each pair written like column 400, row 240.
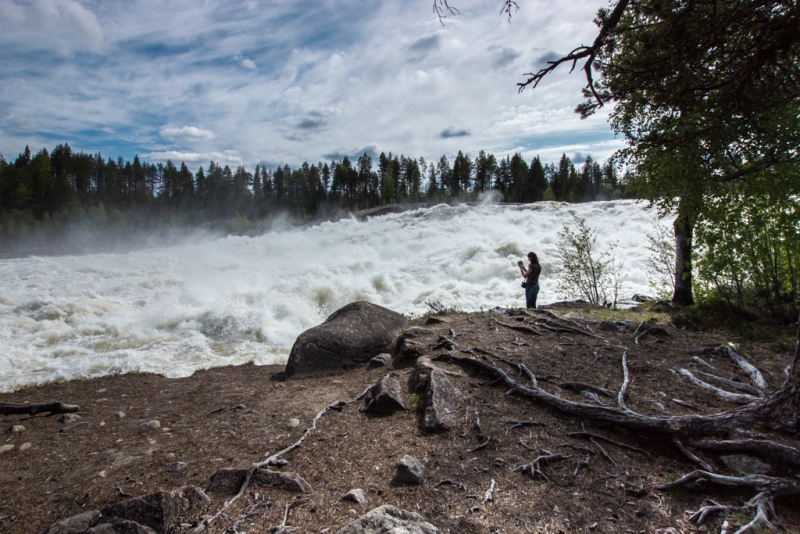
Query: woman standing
column 531, row 275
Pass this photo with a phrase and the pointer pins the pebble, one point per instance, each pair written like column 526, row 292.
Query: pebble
column 102, row 423
column 148, row 425
column 6, row 448
column 293, row 423
column 175, row 466
column 25, row 446
column 120, row 415
column 16, row 429
column 102, row 474
column 69, row 418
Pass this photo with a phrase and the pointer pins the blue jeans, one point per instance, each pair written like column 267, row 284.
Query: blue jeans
column 531, row 292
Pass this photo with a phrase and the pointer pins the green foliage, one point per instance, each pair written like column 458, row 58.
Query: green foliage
column 750, row 252
column 661, row 261
column 585, row 272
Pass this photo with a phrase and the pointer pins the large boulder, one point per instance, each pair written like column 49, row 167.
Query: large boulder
column 350, row 337
column 386, row 519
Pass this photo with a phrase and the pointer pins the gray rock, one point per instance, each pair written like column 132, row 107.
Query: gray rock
column 418, row 379
column 120, row 415
column 193, row 495
column 68, row 418
column 407, row 353
column 76, row 524
column 746, row 465
column 159, row 510
column 407, row 350
column 381, row 360
column 15, row 429
column 228, row 481
column 409, row 471
column 115, row 525
column 608, row 326
column 74, row 426
column 388, row 519
column 350, row 337
column 147, row 426
column 293, row 423
column 384, row 398
column 25, row 446
column 442, row 400
column 437, row 320
column 174, row 466
column 354, row 495
column 6, row 448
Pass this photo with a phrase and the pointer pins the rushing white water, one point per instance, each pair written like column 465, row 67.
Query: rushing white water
column 178, row 309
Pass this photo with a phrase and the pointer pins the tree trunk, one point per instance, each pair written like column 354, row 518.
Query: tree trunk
column 683, row 259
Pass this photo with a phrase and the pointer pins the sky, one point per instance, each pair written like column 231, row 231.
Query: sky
column 283, row 82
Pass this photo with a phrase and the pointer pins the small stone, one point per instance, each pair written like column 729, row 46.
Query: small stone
column 74, row 426
column 69, row 418
column 293, row 423
column 16, row 429
column 6, row 448
column 437, row 320
column 354, row 495
column 239, row 407
column 409, row 471
column 175, row 466
column 25, row 446
column 120, row 415
column 148, row 426
column 381, row 360
column 102, row 474
column 102, row 423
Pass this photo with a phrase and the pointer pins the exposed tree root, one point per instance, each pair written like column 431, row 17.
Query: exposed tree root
column 768, row 489
column 520, row 328
column 736, row 398
column 764, row 448
column 533, row 469
column 738, row 386
column 590, row 436
column 755, row 374
column 702, row 464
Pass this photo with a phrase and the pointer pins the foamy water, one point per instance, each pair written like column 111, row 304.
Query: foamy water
column 240, row 299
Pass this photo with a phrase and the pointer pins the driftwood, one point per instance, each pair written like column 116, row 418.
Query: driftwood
column 13, row 408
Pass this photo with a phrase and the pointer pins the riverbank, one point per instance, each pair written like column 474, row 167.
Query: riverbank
column 233, row 416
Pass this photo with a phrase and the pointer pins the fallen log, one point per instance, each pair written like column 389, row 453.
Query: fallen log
column 13, row 408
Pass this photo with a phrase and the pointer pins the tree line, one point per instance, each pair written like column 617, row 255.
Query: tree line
column 59, row 186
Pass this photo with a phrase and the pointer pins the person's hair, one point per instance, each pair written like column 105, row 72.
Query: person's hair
column 534, row 259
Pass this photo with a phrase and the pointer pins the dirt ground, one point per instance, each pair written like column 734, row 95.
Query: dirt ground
column 233, row 416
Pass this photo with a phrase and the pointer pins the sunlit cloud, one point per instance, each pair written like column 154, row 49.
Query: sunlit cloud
column 187, row 133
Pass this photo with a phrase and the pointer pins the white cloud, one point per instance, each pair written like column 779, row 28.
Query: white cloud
column 198, row 158
column 339, row 75
column 189, row 133
column 61, row 26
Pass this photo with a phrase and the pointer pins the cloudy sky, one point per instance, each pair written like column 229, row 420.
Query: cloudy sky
column 273, row 82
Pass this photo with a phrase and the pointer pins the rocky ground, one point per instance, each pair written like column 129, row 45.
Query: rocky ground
column 230, row 417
